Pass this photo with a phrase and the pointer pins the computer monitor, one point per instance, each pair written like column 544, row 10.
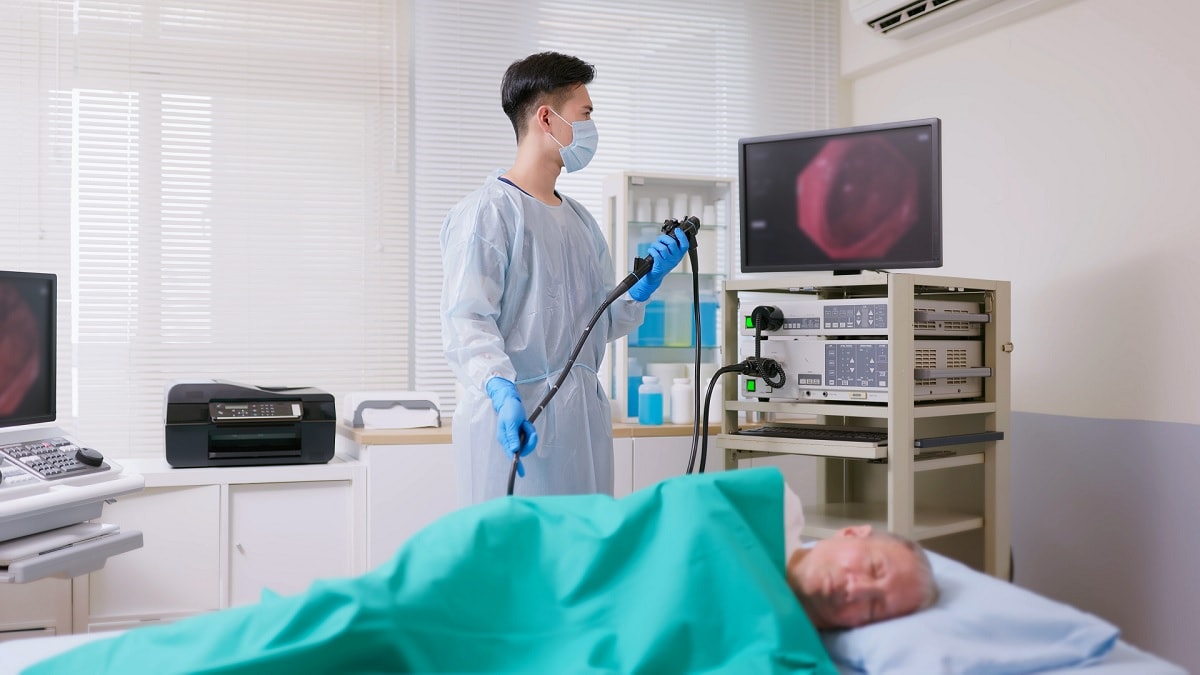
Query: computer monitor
column 28, row 329
column 850, row 199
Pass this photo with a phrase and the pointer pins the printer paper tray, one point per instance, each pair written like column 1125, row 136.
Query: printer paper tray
column 72, row 561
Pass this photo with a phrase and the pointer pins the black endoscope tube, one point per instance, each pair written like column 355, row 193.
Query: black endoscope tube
column 641, row 266
column 512, row 471
column 697, row 429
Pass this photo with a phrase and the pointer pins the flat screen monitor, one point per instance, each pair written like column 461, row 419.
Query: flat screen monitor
column 27, row 347
column 850, row 199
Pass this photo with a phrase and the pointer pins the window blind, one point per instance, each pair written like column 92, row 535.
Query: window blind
column 253, row 190
column 222, row 187
column 678, row 82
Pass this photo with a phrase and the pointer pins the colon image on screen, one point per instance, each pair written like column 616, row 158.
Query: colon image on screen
column 842, row 199
column 27, row 348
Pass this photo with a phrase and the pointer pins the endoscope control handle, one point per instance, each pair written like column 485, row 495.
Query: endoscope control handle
column 690, row 225
column 642, row 266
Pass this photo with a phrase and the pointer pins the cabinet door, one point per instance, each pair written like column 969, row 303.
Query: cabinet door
column 178, row 569
column 42, row 607
column 409, row 486
column 662, row 457
column 283, row 536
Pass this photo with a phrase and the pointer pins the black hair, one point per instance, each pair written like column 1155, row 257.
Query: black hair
column 529, row 82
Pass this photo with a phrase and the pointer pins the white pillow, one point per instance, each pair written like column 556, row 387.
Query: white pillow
column 979, row 626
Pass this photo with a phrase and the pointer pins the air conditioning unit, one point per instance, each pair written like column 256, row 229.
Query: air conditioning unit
column 905, row 18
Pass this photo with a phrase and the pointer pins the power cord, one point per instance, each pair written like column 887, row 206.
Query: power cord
column 764, row 317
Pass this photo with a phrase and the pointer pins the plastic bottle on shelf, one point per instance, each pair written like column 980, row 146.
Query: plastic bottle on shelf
column 677, row 322
column 650, row 333
column 666, row 373
column 650, row 401
column 634, row 380
column 682, row 401
column 709, row 309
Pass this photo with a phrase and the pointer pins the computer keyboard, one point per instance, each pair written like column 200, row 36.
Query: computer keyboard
column 819, row 432
column 53, row 458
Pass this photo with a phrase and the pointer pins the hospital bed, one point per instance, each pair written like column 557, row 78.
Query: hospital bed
column 995, row 622
column 613, row 583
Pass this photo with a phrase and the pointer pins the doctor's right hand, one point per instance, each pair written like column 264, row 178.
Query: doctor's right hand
column 511, row 421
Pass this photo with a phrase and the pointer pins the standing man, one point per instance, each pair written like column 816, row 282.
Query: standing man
column 525, row 268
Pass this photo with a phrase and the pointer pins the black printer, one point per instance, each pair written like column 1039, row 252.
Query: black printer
column 217, row 423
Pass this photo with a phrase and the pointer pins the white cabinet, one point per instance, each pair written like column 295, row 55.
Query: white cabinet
column 657, row 458
column 282, row 536
column 216, row 538
column 411, row 478
column 635, row 206
column 177, row 571
column 411, row 482
column 944, row 470
column 659, row 453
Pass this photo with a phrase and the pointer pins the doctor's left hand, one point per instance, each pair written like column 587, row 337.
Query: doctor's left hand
column 511, row 422
column 667, row 252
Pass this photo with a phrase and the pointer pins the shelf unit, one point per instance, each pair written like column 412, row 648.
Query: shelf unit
column 633, row 213
column 963, row 488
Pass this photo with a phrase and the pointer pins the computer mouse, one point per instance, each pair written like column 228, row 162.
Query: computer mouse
column 89, row 456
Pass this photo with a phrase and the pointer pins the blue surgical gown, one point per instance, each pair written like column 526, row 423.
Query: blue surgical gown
column 521, row 280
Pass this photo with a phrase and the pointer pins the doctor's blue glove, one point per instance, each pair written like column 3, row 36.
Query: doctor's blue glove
column 667, row 252
column 510, row 420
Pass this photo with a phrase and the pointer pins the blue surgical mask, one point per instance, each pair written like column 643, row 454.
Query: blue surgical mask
column 583, row 144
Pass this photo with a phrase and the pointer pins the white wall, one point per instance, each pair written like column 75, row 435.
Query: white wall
column 1071, row 133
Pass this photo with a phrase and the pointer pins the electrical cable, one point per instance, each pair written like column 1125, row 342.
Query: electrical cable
column 771, row 372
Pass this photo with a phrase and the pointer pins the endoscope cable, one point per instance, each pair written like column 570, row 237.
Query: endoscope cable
column 641, row 266
column 770, row 370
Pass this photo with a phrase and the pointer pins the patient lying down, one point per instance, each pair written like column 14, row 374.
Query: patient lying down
column 698, row 573
column 856, row 577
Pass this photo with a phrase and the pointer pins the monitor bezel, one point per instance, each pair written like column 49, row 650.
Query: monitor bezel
column 932, row 261
column 52, row 342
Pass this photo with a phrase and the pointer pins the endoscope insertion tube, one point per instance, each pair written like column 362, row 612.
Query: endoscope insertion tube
column 641, row 266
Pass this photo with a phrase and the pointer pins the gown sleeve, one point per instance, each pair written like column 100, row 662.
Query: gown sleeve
column 474, row 259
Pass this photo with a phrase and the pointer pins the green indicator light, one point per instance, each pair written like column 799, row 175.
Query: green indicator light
column 751, row 384
column 749, row 322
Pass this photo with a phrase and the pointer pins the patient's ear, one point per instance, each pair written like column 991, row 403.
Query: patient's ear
column 863, row 530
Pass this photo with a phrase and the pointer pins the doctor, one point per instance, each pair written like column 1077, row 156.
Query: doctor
column 525, row 267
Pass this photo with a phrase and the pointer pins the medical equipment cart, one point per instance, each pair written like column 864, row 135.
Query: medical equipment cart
column 942, row 474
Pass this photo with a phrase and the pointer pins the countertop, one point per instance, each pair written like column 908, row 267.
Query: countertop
column 442, row 434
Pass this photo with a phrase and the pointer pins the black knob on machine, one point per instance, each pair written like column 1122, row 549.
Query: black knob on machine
column 89, row 456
